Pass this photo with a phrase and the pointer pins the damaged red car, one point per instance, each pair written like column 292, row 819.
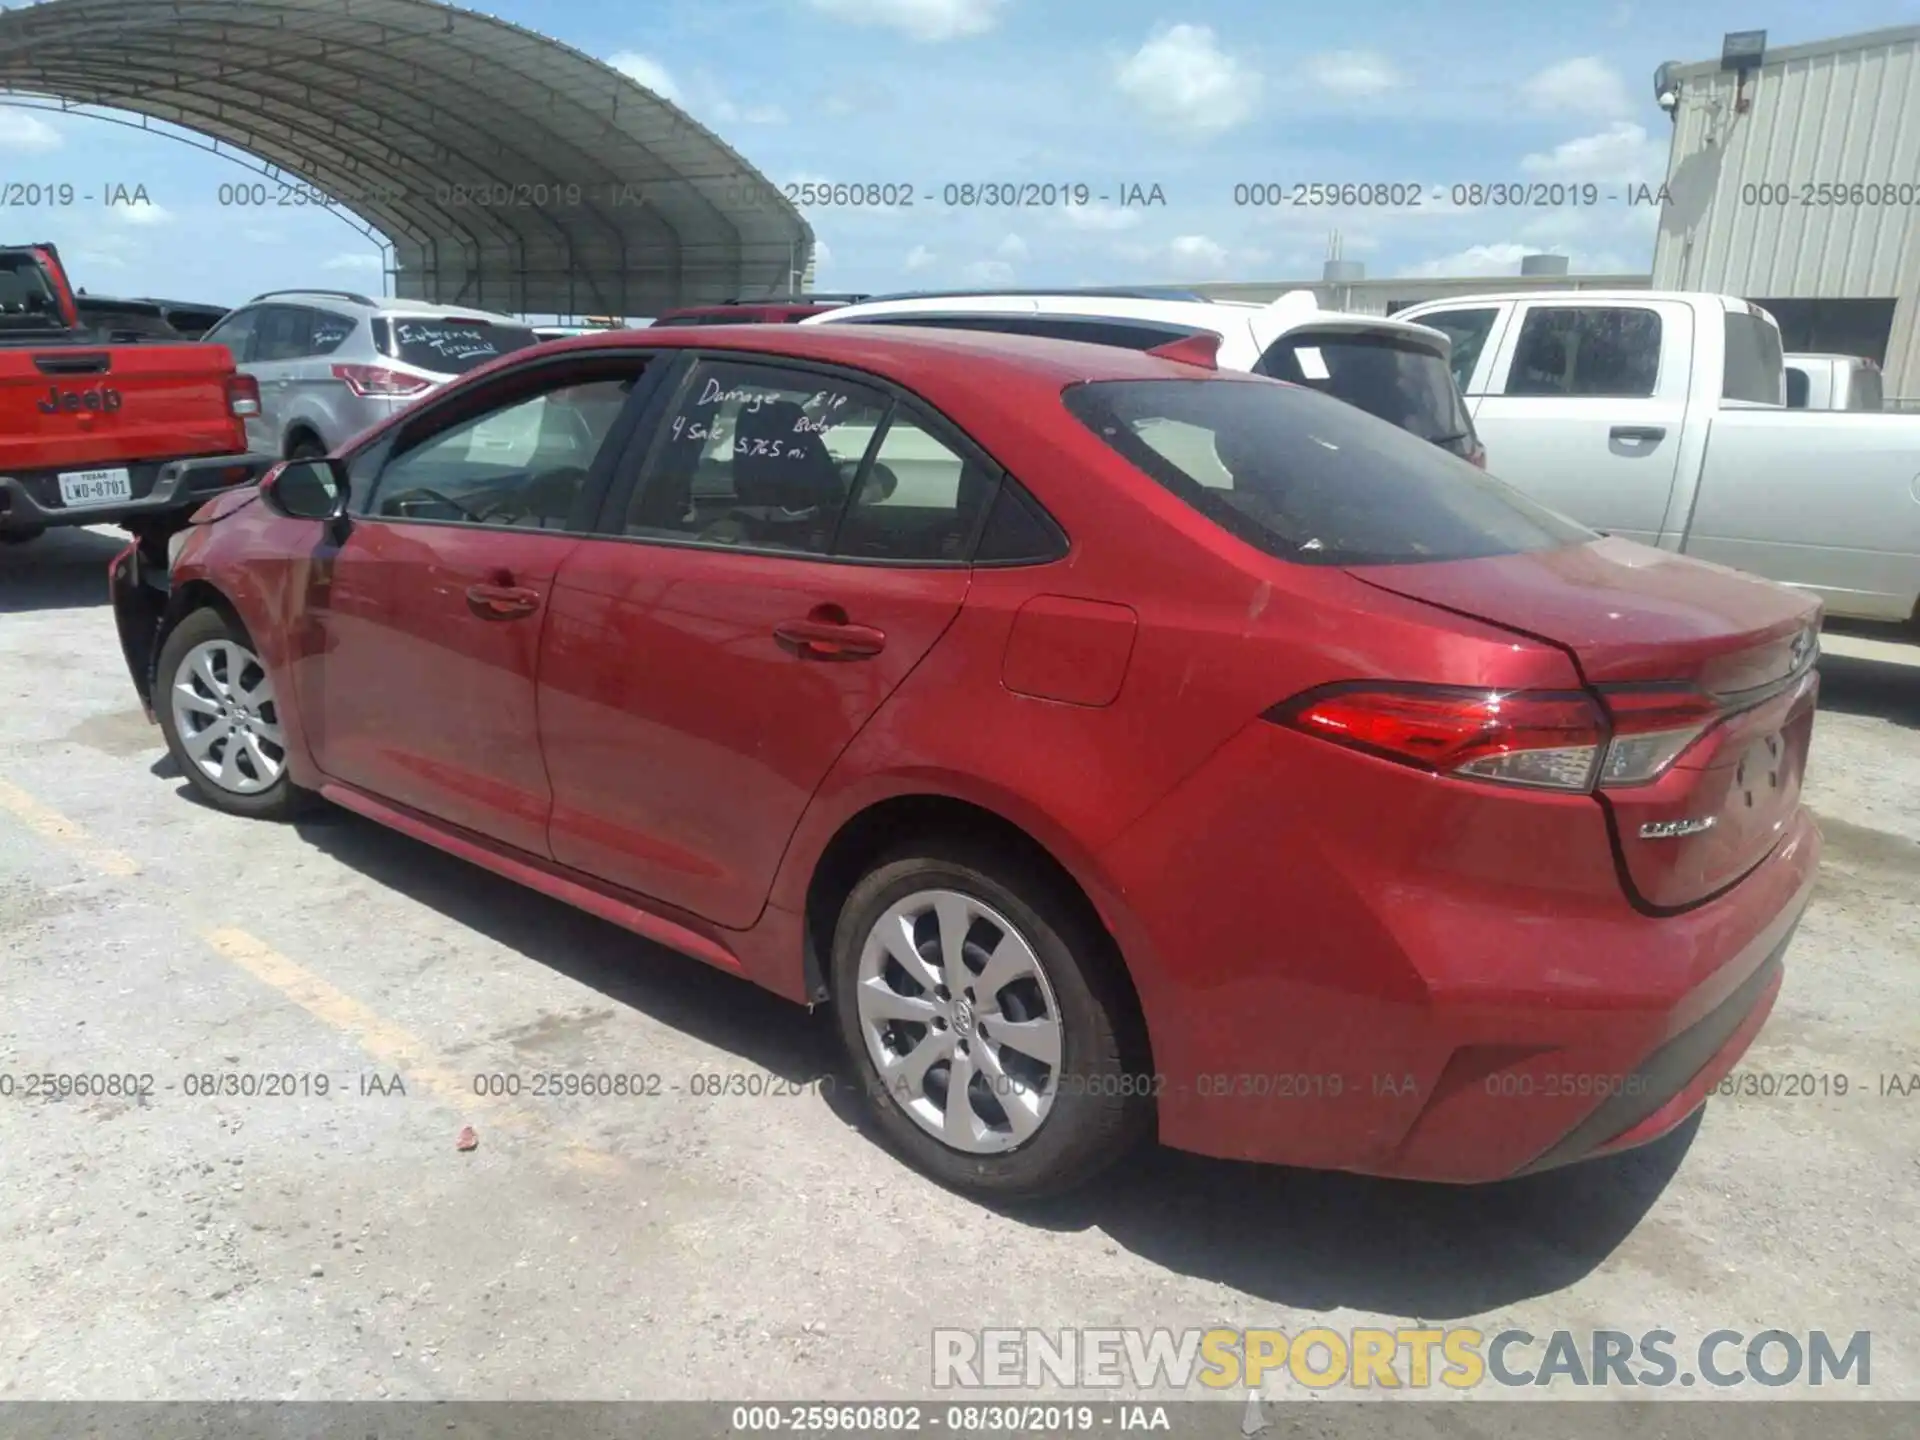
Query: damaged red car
column 1120, row 747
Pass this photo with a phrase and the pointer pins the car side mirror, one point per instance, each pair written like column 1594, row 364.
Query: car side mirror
column 309, row 490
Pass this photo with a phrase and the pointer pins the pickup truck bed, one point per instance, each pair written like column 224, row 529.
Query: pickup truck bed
column 1661, row 417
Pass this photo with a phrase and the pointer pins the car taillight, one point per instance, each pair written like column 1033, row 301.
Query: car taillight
column 377, row 380
column 1543, row 739
column 243, row 396
column 1653, row 726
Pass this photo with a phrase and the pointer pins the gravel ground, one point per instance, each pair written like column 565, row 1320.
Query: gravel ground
column 685, row 1247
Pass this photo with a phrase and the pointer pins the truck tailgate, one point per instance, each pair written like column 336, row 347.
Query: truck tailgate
column 77, row 407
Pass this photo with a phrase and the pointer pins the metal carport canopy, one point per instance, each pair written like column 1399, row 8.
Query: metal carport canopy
column 506, row 170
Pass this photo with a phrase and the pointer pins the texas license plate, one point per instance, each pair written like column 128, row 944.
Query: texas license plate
column 95, row 487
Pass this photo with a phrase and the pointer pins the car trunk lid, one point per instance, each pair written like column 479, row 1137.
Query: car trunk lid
column 1686, row 657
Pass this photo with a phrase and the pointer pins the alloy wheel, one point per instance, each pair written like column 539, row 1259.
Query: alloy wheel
column 225, row 715
column 960, row 1021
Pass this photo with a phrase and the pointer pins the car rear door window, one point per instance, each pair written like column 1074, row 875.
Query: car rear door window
column 758, row 456
column 1468, row 330
column 524, row 463
column 1867, row 393
column 1401, row 381
column 281, row 333
column 1587, row 350
column 1310, row 479
column 1752, row 370
column 917, row 499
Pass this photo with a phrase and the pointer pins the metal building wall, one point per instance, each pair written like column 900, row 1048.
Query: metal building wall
column 1838, row 111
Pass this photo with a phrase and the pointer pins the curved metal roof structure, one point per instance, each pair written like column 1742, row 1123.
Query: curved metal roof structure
column 503, row 169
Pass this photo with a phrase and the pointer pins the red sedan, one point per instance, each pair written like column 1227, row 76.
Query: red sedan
column 1118, row 745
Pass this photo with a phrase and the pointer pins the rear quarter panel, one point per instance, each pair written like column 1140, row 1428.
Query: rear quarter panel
column 1825, row 500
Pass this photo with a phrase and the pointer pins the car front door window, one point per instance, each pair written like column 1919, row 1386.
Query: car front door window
column 523, row 464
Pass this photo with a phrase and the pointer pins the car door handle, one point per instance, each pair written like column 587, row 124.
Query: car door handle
column 1643, row 434
column 830, row 640
column 502, row 602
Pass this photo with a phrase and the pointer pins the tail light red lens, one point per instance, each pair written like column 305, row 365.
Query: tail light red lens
column 368, row 381
column 1542, row 739
column 1653, row 726
column 243, row 396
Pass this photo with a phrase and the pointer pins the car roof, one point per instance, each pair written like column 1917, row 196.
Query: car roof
column 926, row 359
column 380, row 305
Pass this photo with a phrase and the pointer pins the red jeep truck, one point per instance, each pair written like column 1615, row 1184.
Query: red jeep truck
column 137, row 435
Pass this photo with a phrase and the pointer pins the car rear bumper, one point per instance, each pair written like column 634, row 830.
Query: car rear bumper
column 1423, row 1005
column 30, row 500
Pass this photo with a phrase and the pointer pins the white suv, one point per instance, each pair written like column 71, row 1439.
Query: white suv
column 1389, row 368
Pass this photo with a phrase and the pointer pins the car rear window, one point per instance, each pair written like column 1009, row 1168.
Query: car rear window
column 1312, row 479
column 449, row 346
column 1867, row 393
column 27, row 301
column 1399, row 380
column 1754, row 365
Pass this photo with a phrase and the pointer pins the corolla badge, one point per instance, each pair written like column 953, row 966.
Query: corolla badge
column 1672, row 829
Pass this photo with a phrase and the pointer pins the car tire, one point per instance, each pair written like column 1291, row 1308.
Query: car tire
column 1092, row 1108
column 302, row 446
column 215, row 659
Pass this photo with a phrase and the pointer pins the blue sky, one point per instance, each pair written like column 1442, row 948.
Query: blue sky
column 1194, row 96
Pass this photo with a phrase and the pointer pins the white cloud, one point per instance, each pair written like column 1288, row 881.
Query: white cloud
column 1356, row 73
column 920, row 257
column 645, row 71
column 989, row 272
column 146, row 213
column 1190, row 257
column 1011, row 248
column 1584, row 86
column 352, row 260
column 26, row 133
column 822, row 256
column 1099, row 215
column 919, row 19
column 1500, row 259
column 728, row 113
column 1623, row 153
column 1182, row 78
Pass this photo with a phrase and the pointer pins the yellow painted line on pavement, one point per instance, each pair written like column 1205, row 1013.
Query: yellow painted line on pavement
column 388, row 1044
column 45, row 820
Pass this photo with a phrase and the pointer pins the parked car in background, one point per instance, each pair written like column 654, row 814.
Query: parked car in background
column 1388, row 368
column 1833, row 382
column 331, row 362
column 1660, row 416
column 117, row 321
column 1119, row 744
column 107, row 428
column 755, row 312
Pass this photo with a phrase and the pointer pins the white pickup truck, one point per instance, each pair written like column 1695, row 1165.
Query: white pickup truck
column 1661, row 416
